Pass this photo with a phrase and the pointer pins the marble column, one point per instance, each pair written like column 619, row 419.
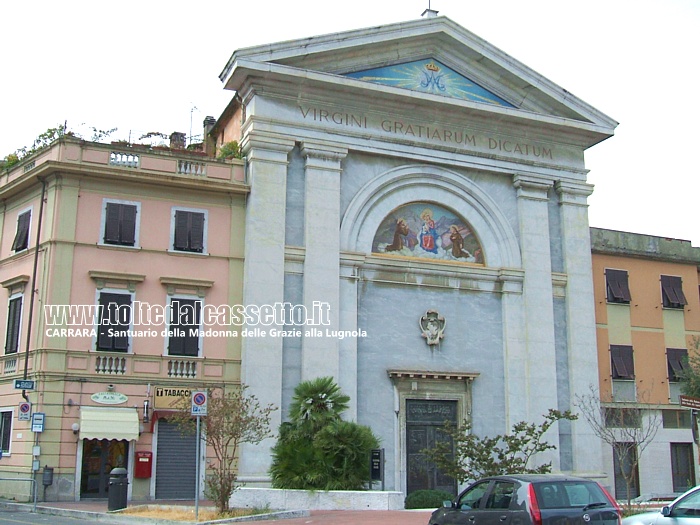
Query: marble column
column 580, row 315
column 538, row 306
column 261, row 367
column 320, row 355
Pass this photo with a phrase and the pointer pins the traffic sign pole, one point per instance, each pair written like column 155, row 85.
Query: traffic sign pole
column 196, row 484
column 199, row 409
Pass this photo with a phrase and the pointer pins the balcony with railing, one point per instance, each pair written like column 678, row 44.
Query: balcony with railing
column 144, row 160
column 115, row 365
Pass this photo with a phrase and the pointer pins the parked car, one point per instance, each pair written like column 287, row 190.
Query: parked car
column 684, row 510
column 530, row 499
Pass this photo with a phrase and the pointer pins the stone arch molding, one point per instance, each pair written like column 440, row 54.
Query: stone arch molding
column 398, row 186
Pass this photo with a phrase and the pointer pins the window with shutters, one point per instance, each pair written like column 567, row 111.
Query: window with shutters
column 622, row 362
column 189, row 232
column 184, row 330
column 115, row 321
column 672, row 295
column 5, row 430
column 677, row 360
column 21, row 241
column 617, row 286
column 622, row 368
column 14, row 324
column 120, row 225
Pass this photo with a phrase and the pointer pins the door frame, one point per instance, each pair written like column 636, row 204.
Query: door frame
column 433, row 386
column 79, row 469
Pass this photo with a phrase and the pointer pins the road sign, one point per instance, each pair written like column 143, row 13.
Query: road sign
column 38, row 422
column 24, row 412
column 24, row 384
column 689, row 402
column 199, row 403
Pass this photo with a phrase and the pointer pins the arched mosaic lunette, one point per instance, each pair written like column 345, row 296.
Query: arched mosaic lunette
column 427, row 230
column 376, row 199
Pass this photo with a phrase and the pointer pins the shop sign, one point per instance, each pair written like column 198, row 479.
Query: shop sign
column 168, row 397
column 109, row 398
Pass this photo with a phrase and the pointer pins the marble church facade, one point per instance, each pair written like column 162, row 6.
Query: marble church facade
column 431, row 191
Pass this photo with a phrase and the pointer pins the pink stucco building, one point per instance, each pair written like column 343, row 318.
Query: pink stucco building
column 157, row 232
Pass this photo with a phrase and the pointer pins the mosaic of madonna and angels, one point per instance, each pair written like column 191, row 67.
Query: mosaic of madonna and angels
column 428, row 231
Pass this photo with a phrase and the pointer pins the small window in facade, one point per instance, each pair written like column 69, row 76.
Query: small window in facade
column 120, row 224
column 21, row 241
column 677, row 361
column 183, row 338
column 622, row 362
column 676, row 418
column 14, row 324
column 5, row 430
column 628, row 417
column 617, row 286
column 189, row 231
column 672, row 292
column 115, row 319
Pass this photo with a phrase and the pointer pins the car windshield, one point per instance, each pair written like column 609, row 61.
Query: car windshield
column 688, row 506
column 564, row 494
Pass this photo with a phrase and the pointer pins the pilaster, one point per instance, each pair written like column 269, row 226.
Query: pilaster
column 580, row 314
column 537, row 303
column 263, row 283
column 320, row 355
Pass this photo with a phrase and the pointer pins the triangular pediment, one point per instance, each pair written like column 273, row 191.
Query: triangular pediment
column 395, row 59
column 430, row 76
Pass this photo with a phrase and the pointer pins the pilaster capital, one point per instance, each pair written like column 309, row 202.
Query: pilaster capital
column 266, row 147
column 573, row 193
column 322, row 155
column 533, row 187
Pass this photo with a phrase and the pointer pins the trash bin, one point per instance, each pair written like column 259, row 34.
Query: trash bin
column 118, row 485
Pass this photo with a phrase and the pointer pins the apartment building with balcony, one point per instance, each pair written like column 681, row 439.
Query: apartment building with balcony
column 647, row 318
column 109, row 255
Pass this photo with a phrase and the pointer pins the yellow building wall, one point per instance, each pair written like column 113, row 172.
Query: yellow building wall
column 644, row 323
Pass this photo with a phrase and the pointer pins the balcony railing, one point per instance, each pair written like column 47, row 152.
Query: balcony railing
column 110, row 365
column 184, row 368
column 10, row 365
column 188, row 167
column 125, row 365
column 127, row 160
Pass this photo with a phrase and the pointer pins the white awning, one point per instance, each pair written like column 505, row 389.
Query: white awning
column 109, row 423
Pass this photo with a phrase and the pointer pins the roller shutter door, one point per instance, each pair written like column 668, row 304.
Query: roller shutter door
column 176, row 462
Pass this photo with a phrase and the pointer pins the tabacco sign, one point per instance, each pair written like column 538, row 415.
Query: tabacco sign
column 167, row 397
column 109, row 398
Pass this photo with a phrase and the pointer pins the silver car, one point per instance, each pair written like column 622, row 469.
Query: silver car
column 684, row 510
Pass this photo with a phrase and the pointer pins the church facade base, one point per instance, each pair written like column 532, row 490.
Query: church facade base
column 282, row 499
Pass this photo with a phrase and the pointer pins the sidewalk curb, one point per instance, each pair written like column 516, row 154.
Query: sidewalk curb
column 118, row 518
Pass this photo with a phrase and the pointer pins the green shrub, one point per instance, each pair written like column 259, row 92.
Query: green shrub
column 230, row 150
column 317, row 450
column 427, row 499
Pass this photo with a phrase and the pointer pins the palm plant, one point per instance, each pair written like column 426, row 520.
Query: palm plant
column 317, row 402
column 316, row 449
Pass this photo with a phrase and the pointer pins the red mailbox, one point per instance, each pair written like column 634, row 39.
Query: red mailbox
column 144, row 460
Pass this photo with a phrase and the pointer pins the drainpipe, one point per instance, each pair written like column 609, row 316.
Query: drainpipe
column 33, row 284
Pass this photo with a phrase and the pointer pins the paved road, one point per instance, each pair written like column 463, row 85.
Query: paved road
column 359, row 517
column 318, row 517
column 20, row 518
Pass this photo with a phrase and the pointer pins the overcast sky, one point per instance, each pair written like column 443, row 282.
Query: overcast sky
column 149, row 65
